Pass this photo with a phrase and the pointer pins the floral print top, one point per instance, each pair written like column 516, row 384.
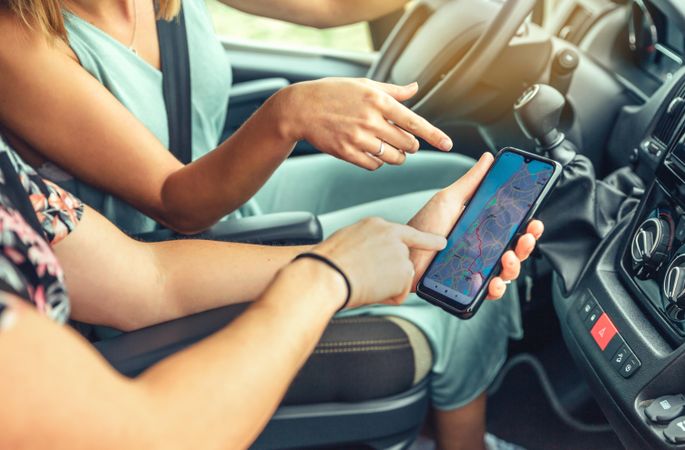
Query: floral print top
column 35, row 215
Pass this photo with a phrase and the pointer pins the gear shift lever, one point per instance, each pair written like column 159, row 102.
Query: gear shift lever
column 574, row 226
column 538, row 112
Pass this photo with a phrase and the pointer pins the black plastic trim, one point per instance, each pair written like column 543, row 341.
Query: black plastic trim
column 318, row 425
column 288, row 228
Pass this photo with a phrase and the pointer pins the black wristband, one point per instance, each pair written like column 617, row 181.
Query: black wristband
column 333, row 266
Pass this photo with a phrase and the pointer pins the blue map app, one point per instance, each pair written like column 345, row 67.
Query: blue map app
column 488, row 224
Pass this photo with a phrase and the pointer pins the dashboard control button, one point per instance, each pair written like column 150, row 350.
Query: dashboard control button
column 564, row 65
column 634, row 155
column 653, row 148
column 565, row 62
column 592, row 317
column 675, row 431
column 666, row 408
column 587, row 307
column 630, row 367
column 603, row 331
column 650, row 246
column 620, row 357
column 674, row 281
column 614, row 345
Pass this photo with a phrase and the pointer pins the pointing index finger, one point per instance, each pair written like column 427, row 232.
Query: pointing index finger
column 408, row 120
column 421, row 240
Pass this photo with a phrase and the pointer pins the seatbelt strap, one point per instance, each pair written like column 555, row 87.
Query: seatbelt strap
column 175, row 62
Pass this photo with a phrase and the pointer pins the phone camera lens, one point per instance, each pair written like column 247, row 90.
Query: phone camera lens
column 527, row 160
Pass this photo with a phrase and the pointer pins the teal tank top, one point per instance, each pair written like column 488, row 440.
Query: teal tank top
column 138, row 86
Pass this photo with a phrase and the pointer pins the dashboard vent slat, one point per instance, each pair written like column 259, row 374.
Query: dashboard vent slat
column 667, row 125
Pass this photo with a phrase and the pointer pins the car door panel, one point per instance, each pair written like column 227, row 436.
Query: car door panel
column 279, row 65
column 252, row 61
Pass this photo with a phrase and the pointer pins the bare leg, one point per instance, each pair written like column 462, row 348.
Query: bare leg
column 462, row 428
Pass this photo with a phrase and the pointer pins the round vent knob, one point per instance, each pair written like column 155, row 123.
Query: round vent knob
column 674, row 282
column 650, row 246
column 676, row 106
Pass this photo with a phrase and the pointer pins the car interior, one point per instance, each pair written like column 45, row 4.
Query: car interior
column 599, row 85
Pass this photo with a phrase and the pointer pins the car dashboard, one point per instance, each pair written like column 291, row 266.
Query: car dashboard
column 624, row 323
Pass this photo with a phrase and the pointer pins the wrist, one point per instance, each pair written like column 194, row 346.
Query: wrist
column 315, row 283
column 284, row 109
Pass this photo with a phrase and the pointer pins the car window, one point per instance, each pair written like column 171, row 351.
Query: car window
column 231, row 23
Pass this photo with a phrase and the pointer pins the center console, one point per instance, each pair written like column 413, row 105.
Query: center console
column 653, row 259
column 624, row 324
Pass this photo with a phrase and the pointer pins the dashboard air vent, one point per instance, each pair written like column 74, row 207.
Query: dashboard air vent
column 668, row 122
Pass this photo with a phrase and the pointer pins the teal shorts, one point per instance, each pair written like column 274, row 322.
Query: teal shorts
column 467, row 355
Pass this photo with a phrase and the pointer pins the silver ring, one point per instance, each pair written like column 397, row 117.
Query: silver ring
column 381, row 149
column 507, row 282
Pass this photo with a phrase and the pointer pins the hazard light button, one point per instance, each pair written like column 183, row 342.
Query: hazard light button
column 603, row 331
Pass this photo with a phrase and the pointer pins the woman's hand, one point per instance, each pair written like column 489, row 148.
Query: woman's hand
column 375, row 256
column 441, row 213
column 357, row 120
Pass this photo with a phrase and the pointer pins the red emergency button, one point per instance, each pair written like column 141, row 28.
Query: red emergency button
column 603, row 331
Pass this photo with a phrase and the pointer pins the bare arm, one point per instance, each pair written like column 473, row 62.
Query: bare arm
column 128, row 284
column 235, row 378
column 48, row 101
column 114, row 280
column 319, row 13
column 59, row 109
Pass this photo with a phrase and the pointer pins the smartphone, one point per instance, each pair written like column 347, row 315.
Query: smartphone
column 507, row 198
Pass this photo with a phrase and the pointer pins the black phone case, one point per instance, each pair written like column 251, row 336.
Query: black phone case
column 470, row 310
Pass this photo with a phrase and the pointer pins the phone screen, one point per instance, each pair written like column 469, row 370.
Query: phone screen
column 488, row 224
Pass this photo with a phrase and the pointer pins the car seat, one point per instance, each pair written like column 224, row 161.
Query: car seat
column 366, row 383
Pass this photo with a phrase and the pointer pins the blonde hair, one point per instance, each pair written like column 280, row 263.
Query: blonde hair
column 46, row 17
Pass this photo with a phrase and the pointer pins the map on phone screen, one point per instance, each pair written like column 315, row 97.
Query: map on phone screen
column 487, row 226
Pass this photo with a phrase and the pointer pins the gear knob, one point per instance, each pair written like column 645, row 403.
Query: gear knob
column 538, row 112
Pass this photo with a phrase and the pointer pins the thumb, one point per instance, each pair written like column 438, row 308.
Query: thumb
column 399, row 93
column 465, row 186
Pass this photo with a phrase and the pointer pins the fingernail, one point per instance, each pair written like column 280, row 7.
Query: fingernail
column 412, row 85
column 446, row 144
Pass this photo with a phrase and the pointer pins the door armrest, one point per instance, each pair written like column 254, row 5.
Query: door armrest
column 131, row 353
column 246, row 98
column 288, row 228
column 256, row 91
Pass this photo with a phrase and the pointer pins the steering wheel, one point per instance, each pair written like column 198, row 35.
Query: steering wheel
column 447, row 48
